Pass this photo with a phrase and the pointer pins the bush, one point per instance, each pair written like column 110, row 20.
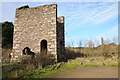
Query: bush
column 70, row 54
column 45, row 59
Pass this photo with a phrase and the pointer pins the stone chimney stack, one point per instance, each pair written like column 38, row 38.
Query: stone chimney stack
column 102, row 41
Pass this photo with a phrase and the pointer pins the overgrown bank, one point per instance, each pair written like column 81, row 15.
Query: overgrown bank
column 28, row 71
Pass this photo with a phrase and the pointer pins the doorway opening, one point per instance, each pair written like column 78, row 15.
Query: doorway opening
column 43, row 47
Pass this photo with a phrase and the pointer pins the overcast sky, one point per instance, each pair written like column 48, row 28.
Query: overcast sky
column 83, row 20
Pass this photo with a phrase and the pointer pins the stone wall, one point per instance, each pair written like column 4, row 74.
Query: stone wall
column 0, row 37
column 60, row 37
column 32, row 25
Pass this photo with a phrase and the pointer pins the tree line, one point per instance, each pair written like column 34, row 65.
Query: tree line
column 7, row 34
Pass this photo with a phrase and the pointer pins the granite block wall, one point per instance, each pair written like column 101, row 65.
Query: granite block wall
column 38, row 28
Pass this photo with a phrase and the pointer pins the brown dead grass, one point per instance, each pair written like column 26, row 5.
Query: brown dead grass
column 5, row 53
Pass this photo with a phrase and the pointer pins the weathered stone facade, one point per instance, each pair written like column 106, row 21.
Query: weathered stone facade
column 38, row 28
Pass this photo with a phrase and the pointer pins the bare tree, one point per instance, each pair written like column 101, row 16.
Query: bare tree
column 90, row 43
column 115, row 40
column 80, row 43
column 96, row 42
column 80, row 46
column 68, row 44
column 107, row 41
column 72, row 43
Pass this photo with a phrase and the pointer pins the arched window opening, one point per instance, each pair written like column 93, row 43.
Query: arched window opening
column 43, row 47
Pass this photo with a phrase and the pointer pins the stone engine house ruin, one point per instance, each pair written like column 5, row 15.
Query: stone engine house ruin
column 40, row 29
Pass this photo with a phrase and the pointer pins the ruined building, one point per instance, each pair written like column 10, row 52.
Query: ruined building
column 40, row 29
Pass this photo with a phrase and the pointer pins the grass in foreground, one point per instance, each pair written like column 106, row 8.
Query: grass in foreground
column 26, row 71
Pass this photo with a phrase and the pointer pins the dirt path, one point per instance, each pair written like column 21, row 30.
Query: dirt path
column 89, row 72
